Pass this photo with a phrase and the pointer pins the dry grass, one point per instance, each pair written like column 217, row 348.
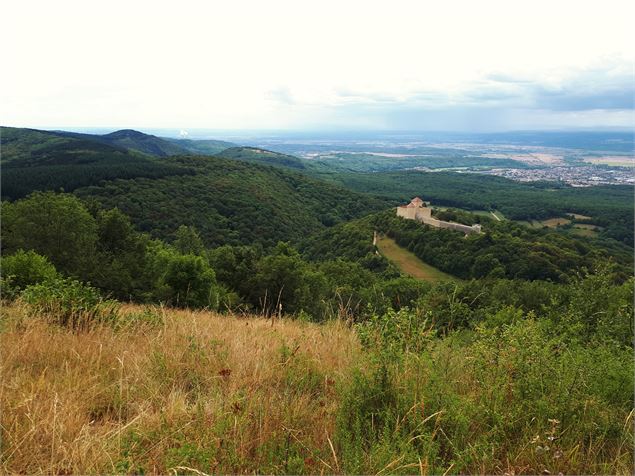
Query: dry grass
column 217, row 393
column 554, row 222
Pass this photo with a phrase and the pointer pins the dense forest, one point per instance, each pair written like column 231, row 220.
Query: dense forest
column 608, row 206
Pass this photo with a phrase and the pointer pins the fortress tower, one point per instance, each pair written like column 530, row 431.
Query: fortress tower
column 417, row 210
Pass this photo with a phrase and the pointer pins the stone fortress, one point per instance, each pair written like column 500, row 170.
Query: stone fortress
column 417, row 210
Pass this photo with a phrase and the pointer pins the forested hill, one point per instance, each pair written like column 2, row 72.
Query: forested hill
column 229, row 201
column 608, row 206
column 202, row 146
column 134, row 140
column 262, row 156
column 232, row 202
column 41, row 160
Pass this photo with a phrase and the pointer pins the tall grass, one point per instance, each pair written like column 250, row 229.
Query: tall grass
column 184, row 390
column 161, row 391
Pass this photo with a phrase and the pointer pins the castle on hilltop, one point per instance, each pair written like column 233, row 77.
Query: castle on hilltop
column 417, row 210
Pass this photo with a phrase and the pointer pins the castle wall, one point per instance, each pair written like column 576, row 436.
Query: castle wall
column 424, row 215
column 408, row 213
column 453, row 226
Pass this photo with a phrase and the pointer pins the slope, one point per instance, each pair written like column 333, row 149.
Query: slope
column 233, row 202
column 132, row 140
column 42, row 160
column 408, row 263
column 203, row 146
column 262, row 156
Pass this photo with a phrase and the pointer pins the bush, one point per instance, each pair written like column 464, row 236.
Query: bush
column 69, row 303
column 191, row 282
column 23, row 269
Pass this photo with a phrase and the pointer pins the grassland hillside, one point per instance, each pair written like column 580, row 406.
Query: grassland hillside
column 176, row 390
column 156, row 390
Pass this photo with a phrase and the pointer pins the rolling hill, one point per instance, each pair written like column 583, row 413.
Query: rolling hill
column 42, row 160
column 203, row 146
column 262, row 156
column 233, row 202
column 132, row 140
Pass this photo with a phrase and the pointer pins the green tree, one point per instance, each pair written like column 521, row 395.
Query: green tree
column 23, row 269
column 55, row 225
column 285, row 282
column 188, row 241
column 190, row 282
column 121, row 256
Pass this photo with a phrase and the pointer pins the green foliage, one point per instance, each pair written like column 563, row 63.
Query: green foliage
column 189, row 282
column 517, row 388
column 397, row 331
column 504, row 250
column 23, row 269
column 283, row 282
column 70, row 303
column 57, row 226
column 188, row 241
column 232, row 202
column 261, row 156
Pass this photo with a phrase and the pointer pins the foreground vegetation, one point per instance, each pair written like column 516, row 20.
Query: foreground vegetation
column 147, row 389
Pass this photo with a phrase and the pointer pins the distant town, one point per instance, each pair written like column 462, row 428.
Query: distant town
column 576, row 159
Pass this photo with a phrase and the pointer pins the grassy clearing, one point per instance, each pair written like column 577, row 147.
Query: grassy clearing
column 408, row 263
column 183, row 389
column 550, row 222
column 577, row 216
column 554, row 222
column 582, row 229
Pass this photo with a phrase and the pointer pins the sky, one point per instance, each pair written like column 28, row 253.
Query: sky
column 329, row 65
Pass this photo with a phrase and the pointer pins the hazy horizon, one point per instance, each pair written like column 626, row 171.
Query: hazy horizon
column 361, row 66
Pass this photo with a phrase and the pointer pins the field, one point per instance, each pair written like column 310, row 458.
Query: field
column 613, row 161
column 221, row 394
column 408, row 263
column 550, row 222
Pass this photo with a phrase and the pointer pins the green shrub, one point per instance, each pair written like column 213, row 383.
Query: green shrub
column 396, row 331
column 23, row 269
column 69, row 303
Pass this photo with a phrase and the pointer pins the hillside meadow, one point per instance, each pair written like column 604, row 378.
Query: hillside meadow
column 160, row 391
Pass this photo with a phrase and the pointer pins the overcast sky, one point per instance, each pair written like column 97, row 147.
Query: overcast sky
column 422, row 65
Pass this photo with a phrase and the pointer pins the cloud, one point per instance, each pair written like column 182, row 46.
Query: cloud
column 281, row 95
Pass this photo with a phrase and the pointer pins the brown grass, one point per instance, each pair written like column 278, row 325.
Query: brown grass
column 218, row 393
